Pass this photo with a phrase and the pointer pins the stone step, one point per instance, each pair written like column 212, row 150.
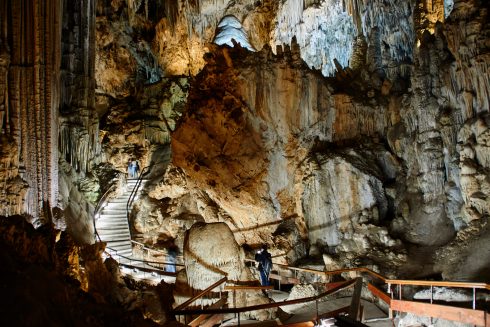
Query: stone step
column 115, row 218
column 123, row 247
column 110, row 232
column 108, row 218
column 121, row 235
column 113, row 211
column 117, row 202
column 108, row 229
column 123, row 224
column 115, row 205
column 124, row 252
column 112, row 218
column 116, row 241
column 118, row 244
column 114, row 237
column 113, row 226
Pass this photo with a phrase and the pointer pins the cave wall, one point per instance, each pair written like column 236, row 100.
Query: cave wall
column 80, row 150
column 390, row 151
column 50, row 136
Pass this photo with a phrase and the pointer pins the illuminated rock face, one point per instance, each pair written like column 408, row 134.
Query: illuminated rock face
column 355, row 163
column 258, row 140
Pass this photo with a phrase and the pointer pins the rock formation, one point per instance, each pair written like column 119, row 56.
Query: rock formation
column 31, row 53
column 45, row 272
column 211, row 253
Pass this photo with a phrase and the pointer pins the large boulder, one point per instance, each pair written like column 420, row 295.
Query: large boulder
column 211, row 253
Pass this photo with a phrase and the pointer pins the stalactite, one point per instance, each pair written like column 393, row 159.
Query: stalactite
column 393, row 34
column 203, row 15
column 171, row 8
column 355, row 9
column 78, row 120
column 467, row 85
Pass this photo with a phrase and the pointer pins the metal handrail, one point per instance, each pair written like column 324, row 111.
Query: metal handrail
column 146, row 247
column 399, row 282
column 438, row 283
column 101, row 201
column 201, row 294
column 337, row 289
column 146, row 262
column 133, row 195
column 386, row 280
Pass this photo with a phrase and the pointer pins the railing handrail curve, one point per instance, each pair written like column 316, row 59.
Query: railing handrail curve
column 145, row 247
column 479, row 285
column 133, row 195
column 200, row 294
column 142, row 260
column 438, row 283
column 346, row 284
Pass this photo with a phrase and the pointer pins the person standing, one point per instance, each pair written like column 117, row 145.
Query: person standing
column 264, row 259
column 136, row 167
column 130, row 169
column 172, row 258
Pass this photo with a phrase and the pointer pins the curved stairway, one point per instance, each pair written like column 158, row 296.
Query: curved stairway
column 112, row 223
column 112, row 227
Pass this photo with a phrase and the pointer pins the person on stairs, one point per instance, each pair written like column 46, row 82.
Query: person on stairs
column 172, row 250
column 136, row 167
column 264, row 259
column 130, row 168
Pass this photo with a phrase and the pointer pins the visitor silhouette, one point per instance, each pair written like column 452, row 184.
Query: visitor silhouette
column 172, row 251
column 130, row 168
column 136, row 167
column 264, row 259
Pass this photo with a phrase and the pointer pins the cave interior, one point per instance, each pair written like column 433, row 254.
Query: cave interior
column 339, row 133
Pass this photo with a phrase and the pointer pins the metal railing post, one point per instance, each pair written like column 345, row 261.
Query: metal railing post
column 474, row 298
column 390, row 292
column 234, row 299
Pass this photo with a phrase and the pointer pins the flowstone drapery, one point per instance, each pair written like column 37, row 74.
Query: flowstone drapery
column 31, row 32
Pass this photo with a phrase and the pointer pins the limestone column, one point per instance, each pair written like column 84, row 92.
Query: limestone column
column 31, row 34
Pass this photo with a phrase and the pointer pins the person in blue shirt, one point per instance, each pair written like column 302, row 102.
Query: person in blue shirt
column 172, row 258
column 264, row 259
